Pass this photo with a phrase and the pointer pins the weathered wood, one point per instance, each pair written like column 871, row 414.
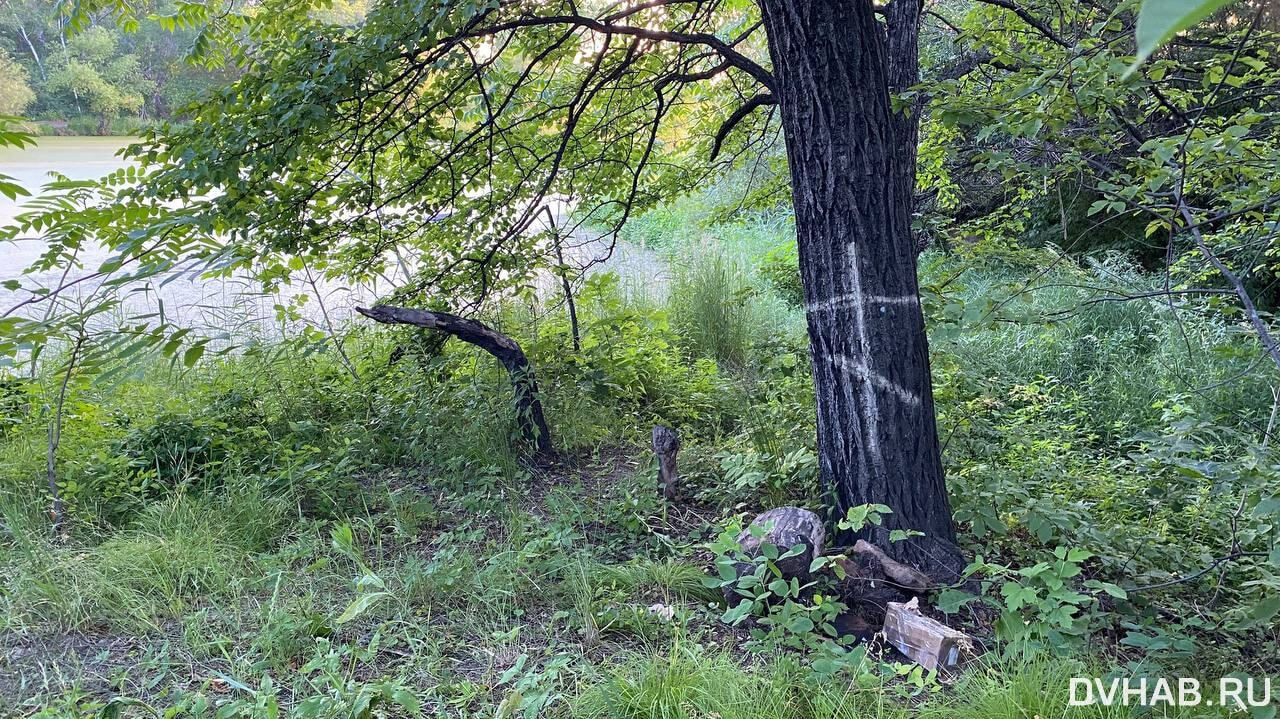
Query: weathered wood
column 904, row 576
column 533, row 425
column 666, row 445
column 925, row 641
column 872, row 577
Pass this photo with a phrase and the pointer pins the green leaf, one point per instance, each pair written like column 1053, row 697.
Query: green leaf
column 794, row 551
column 11, row 190
column 898, row 535
column 406, row 699
column 949, row 601
column 1264, row 611
column 1263, row 712
column 1160, row 20
column 1017, row 595
column 1109, row 588
column 192, row 355
column 738, row 613
column 801, row 625
column 1267, row 507
column 1078, row 555
column 360, row 606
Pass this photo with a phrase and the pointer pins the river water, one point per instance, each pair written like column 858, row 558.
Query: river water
column 231, row 305
column 79, row 158
column 185, row 298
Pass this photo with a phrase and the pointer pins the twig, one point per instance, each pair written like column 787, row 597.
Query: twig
column 1197, row 575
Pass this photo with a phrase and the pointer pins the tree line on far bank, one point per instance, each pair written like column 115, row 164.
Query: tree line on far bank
column 114, row 77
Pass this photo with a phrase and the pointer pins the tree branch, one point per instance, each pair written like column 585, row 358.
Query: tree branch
column 1031, row 20
column 738, row 116
column 506, row 350
column 732, row 56
column 1213, row 565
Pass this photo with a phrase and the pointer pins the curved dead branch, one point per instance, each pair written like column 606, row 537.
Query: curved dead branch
column 506, row 350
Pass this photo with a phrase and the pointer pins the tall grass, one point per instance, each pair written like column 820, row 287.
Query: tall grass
column 718, row 310
column 684, row 682
column 180, row 553
column 709, row 308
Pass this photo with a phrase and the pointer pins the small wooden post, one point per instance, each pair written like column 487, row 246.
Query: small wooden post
column 666, row 445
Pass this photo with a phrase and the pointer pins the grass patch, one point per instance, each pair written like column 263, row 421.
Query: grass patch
column 180, row 554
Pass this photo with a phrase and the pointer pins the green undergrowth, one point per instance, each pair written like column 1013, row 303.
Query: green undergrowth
column 278, row 532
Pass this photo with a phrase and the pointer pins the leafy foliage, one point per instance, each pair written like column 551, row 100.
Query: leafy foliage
column 338, row 521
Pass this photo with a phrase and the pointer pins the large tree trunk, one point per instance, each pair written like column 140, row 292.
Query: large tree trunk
column 877, row 436
column 506, row 350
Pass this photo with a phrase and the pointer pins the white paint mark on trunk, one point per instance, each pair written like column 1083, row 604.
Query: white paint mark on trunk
column 869, row 407
column 852, row 298
column 864, row 373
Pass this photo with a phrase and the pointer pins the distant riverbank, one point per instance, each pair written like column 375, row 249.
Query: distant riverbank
column 88, row 126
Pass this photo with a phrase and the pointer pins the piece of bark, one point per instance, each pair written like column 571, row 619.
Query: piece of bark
column 871, row 577
column 927, row 642
column 666, row 445
column 904, row 576
column 865, row 585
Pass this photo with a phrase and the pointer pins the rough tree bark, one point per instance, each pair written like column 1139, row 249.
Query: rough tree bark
column 902, row 31
column 877, row 437
column 506, row 350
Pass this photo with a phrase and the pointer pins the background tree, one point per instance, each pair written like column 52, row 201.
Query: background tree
column 15, row 93
column 94, row 77
column 131, row 65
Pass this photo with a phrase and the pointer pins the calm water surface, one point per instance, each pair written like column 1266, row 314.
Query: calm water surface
column 224, row 305
column 186, row 299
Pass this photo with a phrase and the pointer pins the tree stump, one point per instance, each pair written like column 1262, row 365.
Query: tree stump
column 784, row 528
column 666, row 445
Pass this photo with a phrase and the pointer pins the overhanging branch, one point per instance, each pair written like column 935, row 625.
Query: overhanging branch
column 1031, row 20
column 724, row 49
column 738, row 116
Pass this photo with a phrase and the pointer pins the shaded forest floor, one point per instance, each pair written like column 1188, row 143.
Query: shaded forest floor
column 480, row 578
